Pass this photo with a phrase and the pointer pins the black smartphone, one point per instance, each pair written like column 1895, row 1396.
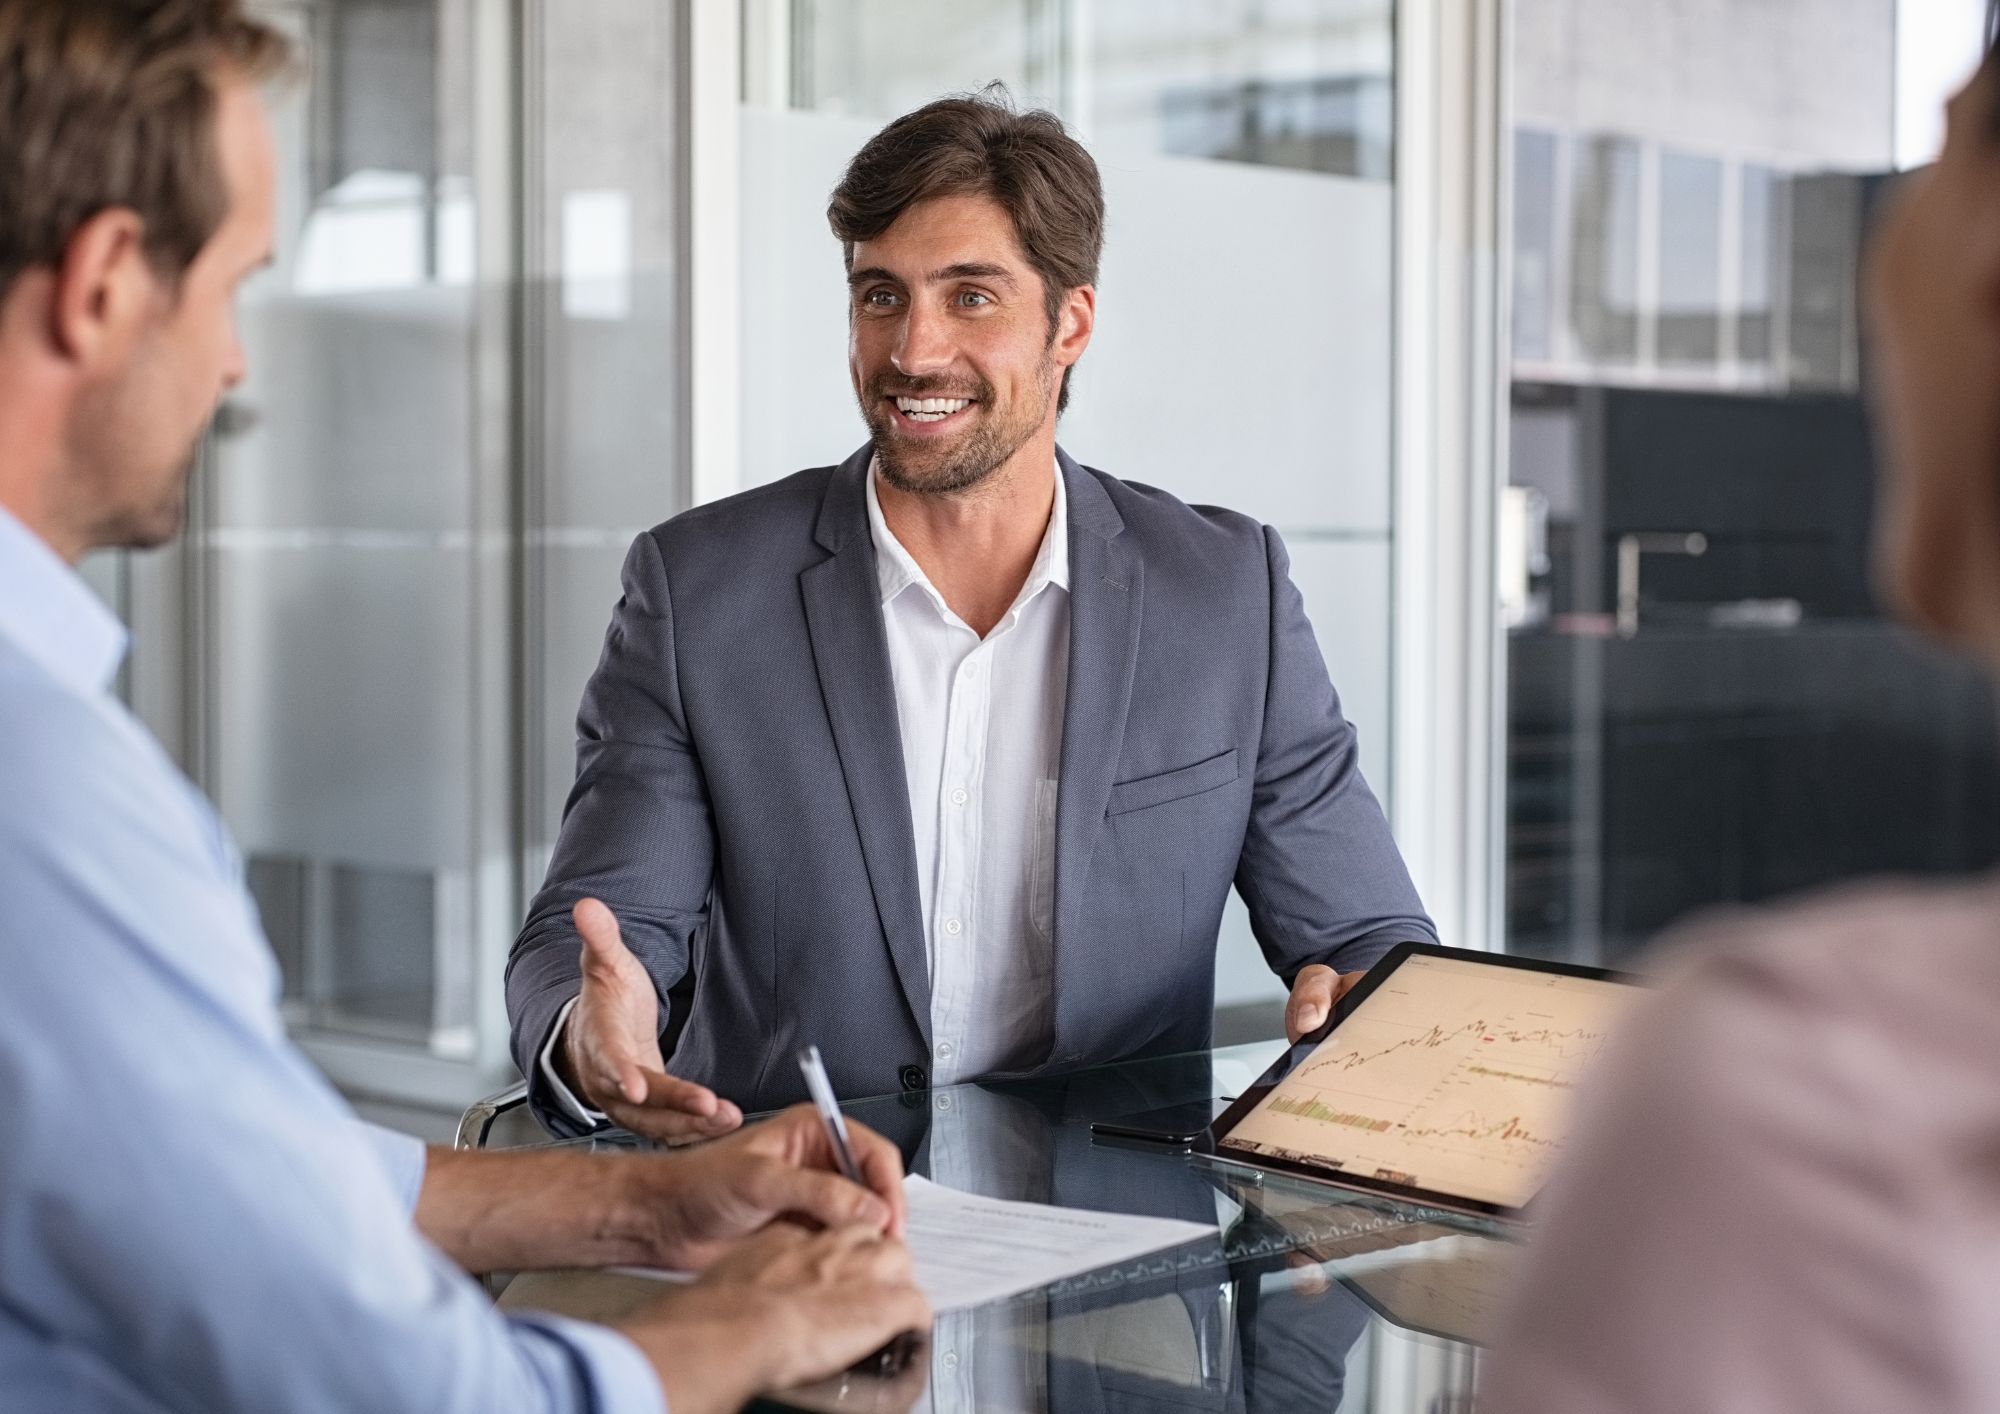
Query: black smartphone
column 1174, row 1126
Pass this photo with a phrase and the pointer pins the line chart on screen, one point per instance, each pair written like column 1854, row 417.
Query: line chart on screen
column 1451, row 1077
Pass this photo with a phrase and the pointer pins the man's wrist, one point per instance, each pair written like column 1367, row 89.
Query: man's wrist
column 558, row 1072
column 562, row 1053
column 527, row 1210
column 738, row 1339
column 643, row 1211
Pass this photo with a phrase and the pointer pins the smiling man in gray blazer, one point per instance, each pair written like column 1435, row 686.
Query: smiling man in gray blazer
column 943, row 759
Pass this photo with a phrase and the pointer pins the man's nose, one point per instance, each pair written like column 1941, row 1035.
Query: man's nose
column 924, row 345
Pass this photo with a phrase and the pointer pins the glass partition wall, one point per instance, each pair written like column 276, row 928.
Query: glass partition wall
column 351, row 545
column 406, row 532
column 1706, row 702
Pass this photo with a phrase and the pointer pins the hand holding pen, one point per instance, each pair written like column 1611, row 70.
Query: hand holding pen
column 856, row 1153
column 898, row 1355
column 828, row 1286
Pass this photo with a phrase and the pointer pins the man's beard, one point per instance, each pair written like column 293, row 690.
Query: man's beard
column 131, row 483
column 969, row 459
column 158, row 523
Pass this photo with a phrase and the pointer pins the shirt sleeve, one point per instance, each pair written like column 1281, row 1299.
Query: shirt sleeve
column 620, row 1375
column 225, row 1237
column 565, row 1097
column 403, row 1157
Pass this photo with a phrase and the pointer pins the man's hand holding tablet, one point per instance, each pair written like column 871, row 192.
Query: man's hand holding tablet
column 1442, row 1077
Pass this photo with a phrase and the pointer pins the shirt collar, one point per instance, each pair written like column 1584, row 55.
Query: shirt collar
column 49, row 613
column 896, row 570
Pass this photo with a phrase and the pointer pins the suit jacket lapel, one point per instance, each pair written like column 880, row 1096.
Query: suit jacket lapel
column 1105, row 594
column 851, row 653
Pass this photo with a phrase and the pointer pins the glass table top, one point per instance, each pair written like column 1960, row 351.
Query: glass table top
column 1305, row 1296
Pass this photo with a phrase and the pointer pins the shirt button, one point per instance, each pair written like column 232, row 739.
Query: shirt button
column 944, row 1102
column 953, row 927
column 944, row 1050
column 959, row 797
column 950, row 1360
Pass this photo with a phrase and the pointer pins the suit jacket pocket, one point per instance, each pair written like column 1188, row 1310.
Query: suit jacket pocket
column 1147, row 791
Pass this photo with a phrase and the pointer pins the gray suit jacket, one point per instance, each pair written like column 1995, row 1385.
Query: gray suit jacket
column 740, row 801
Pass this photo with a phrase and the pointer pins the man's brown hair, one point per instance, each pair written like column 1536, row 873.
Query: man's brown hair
column 110, row 104
column 978, row 145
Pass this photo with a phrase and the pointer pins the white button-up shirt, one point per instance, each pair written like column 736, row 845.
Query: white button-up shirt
column 981, row 723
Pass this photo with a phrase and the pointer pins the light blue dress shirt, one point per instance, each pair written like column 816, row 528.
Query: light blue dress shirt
column 190, row 1218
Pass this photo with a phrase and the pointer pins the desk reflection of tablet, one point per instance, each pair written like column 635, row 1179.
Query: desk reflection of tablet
column 1444, row 1078
column 1423, row 1276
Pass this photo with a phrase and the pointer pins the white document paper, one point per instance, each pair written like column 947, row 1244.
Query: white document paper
column 970, row 1250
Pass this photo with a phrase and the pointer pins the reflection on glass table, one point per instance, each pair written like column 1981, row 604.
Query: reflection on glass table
column 1305, row 1296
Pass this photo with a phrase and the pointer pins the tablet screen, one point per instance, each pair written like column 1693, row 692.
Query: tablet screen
column 1450, row 1076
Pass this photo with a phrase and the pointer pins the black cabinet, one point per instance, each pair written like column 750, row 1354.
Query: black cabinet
column 1682, row 758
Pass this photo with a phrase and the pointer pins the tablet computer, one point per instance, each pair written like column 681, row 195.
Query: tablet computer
column 1442, row 1079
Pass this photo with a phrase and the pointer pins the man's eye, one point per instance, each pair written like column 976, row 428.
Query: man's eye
column 973, row 299
column 879, row 299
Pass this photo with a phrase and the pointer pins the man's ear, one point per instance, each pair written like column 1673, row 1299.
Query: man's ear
column 104, row 288
column 1075, row 322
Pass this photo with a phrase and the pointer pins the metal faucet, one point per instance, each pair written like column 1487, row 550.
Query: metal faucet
column 1630, row 548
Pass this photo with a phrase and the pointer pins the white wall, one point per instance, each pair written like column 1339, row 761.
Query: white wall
column 1938, row 45
column 1796, row 85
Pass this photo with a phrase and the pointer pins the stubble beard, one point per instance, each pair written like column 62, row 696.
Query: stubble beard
column 158, row 522
column 971, row 459
column 129, row 487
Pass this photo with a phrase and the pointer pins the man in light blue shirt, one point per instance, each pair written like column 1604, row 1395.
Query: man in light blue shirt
column 190, row 1219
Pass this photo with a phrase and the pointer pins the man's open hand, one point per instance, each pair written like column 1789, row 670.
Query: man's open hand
column 610, row 1052
column 1314, row 992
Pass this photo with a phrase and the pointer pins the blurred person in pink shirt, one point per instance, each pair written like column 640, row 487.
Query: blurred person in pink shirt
column 1784, row 1188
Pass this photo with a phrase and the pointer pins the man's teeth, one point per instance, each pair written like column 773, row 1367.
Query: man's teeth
column 931, row 409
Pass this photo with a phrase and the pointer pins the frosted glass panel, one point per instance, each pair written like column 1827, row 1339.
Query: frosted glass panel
column 463, row 406
column 348, row 547
column 1242, row 354
column 606, row 370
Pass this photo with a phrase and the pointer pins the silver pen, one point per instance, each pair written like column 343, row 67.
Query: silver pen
column 829, row 1113
column 895, row 1357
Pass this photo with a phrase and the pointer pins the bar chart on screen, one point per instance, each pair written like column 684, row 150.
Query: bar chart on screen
column 1451, row 1076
